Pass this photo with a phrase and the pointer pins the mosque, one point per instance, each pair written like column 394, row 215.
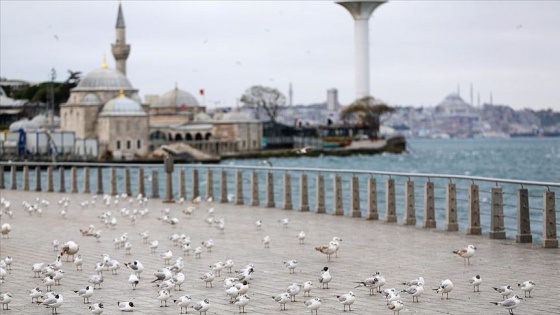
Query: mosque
column 105, row 106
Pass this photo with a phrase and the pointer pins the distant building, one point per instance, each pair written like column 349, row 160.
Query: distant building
column 332, row 100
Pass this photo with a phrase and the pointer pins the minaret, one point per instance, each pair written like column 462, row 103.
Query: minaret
column 120, row 49
column 361, row 11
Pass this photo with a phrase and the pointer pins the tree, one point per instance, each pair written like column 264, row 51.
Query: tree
column 262, row 98
column 366, row 112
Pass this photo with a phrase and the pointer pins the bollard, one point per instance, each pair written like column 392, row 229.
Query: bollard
column 38, row 178
column 355, row 200
column 223, row 187
column 2, row 184
column 550, row 238
column 287, row 192
column 141, row 184
column 114, row 190
column 451, row 224
column 155, row 184
column 127, row 189
column 182, row 186
column 26, row 178
column 523, row 219
column 86, row 180
column 303, row 194
column 14, row 177
column 337, row 196
column 270, row 191
column 50, row 181
column 73, row 180
column 474, row 211
column 497, row 230
column 429, row 206
column 209, row 185
column 391, row 212
column 254, row 189
column 372, row 213
column 195, row 187
column 168, row 167
column 62, row 179
column 409, row 210
column 99, row 181
column 238, row 188
column 321, row 194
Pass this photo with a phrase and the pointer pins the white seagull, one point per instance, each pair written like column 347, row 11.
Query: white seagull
column 347, row 299
column 527, row 287
column 466, row 253
column 510, row 303
column 476, row 281
column 445, row 286
column 313, row 304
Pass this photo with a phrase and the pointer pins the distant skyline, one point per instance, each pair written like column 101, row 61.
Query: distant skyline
column 420, row 51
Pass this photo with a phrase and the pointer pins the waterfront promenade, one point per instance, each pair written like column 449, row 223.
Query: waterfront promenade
column 399, row 252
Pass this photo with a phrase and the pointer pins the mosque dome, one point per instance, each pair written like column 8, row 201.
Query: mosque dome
column 122, row 106
column 177, row 98
column 91, row 99
column 104, row 79
column 453, row 104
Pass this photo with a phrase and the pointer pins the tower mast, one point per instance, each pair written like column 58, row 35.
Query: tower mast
column 120, row 48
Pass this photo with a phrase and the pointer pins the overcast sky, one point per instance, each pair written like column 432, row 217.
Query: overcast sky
column 420, row 51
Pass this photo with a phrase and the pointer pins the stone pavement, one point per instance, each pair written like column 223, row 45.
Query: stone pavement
column 400, row 253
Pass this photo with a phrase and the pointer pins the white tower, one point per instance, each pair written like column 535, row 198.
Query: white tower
column 120, row 48
column 361, row 11
column 291, row 95
column 332, row 99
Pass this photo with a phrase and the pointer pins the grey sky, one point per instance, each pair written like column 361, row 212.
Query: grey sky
column 419, row 50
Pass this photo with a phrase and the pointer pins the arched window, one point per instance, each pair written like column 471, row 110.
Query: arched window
column 208, row 136
column 138, row 144
column 128, row 144
column 188, row 137
column 198, row 137
column 118, row 145
column 178, row 137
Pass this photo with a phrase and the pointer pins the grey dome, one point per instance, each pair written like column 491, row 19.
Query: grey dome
column 91, row 99
column 104, row 79
column 122, row 106
column 177, row 98
column 454, row 104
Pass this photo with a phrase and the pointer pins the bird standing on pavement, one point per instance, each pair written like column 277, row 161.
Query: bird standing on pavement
column 5, row 299
column 313, row 304
column 510, row 303
column 126, row 306
column 445, row 286
column 325, row 277
column 504, row 291
column 291, row 265
column 202, row 306
column 242, row 301
column 347, row 299
column 466, row 253
column 527, row 287
column 183, row 301
column 396, row 306
column 415, row 291
column 476, row 281
column 97, row 308
column 282, row 299
column 85, row 293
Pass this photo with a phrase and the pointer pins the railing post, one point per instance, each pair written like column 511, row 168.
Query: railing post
column 372, row 213
column 168, row 168
column 62, row 180
column 355, row 210
column 239, row 188
column 429, row 206
column 2, row 184
column 50, row 181
column 114, row 190
column 287, row 192
column 127, row 188
column 523, row 219
column 270, row 190
column 26, row 178
column 182, row 186
column 390, row 208
column 195, row 187
column 321, row 194
column 14, row 177
column 451, row 224
column 337, row 196
column 141, row 183
column 255, row 189
column 497, row 214
column 474, row 211
column 38, row 178
column 73, row 180
column 209, row 185
column 550, row 237
column 86, row 180
column 223, row 187
column 303, row 194
column 409, row 210
column 155, row 184
column 99, row 180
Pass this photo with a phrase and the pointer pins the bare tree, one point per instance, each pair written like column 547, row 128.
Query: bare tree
column 367, row 112
column 262, row 98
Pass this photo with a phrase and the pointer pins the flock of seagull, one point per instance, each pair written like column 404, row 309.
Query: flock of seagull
column 169, row 278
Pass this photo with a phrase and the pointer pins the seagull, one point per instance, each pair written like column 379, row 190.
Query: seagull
column 178, row 279
column 242, row 301
column 78, row 262
column 162, row 274
column 504, row 291
column 282, row 299
column 96, row 280
column 183, row 301
column 197, row 252
column 325, row 277
column 48, row 282
column 285, row 222
column 208, row 278
column 167, row 256
column 291, row 265
column 202, row 306
column 476, row 281
column 266, row 241
column 327, row 250
column 69, row 248
column 380, row 281
column 96, row 308
column 133, row 280
column 313, row 304
column 306, row 288
column 527, row 286
column 301, row 237
column 293, row 290
column 145, row 235
column 228, row 264
column 154, row 245
column 85, row 293
column 5, row 299
column 347, row 299
column 208, row 244
column 258, row 224
column 232, row 292
column 126, row 306
column 217, row 268
column 417, row 281
column 136, row 266
column 466, row 253
column 8, row 261
column 5, row 230
column 54, row 302
column 371, row 283
column 510, row 303
column 396, row 306
column 445, row 286
column 36, row 268
column 35, row 293
column 415, row 291
column 163, row 296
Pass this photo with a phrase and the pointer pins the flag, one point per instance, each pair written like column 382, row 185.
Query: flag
column 201, row 91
